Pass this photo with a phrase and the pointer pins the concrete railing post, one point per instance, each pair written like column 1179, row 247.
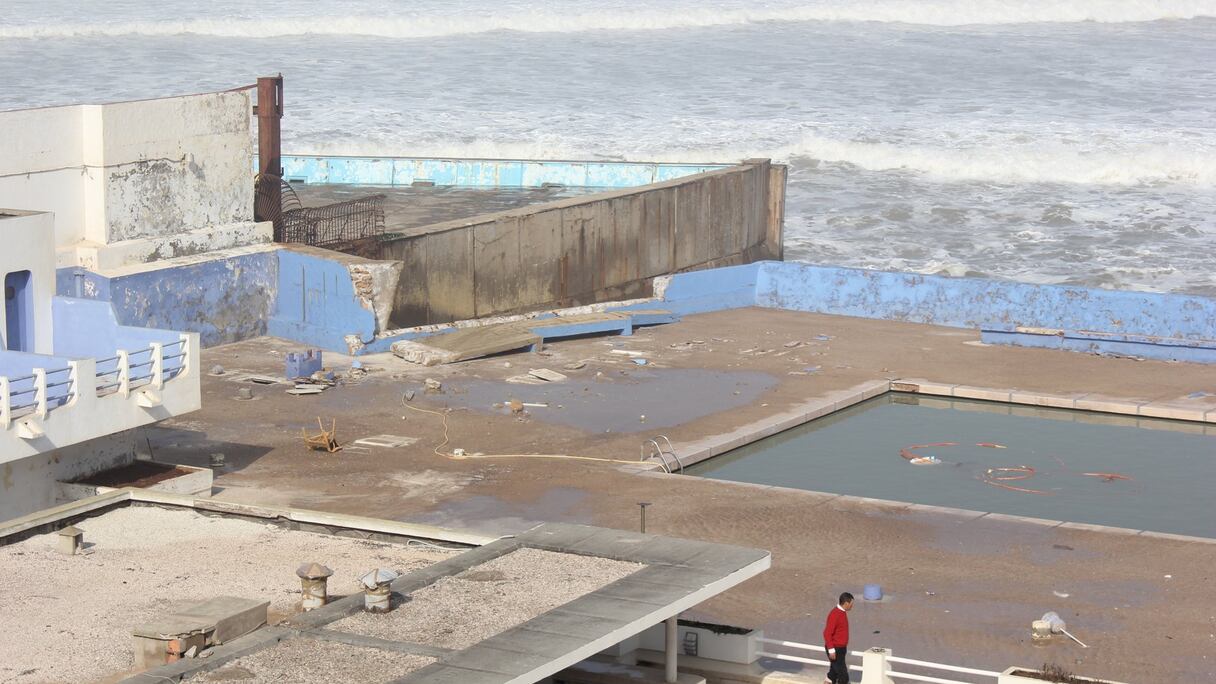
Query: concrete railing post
column 124, row 373
column 40, row 407
column 874, row 666
column 187, row 359
column 158, row 365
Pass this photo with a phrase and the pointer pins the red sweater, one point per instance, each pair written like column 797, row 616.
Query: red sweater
column 836, row 633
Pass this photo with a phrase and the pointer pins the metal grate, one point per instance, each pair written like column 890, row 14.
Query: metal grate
column 354, row 226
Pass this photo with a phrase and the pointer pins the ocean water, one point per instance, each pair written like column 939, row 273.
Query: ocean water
column 1033, row 140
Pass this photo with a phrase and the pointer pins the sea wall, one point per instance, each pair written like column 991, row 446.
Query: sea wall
column 587, row 249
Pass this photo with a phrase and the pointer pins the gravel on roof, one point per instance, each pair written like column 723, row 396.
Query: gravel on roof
column 462, row 610
column 69, row 618
column 312, row 661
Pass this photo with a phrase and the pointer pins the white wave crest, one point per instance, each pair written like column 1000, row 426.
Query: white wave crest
column 1044, row 163
column 928, row 12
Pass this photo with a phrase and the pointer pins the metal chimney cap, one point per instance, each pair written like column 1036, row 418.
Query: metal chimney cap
column 71, row 531
column 313, row 571
column 378, row 577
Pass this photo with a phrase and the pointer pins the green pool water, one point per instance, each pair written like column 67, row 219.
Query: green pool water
column 1062, row 465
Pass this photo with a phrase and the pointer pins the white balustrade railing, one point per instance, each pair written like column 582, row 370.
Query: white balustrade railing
column 43, row 390
column 876, row 664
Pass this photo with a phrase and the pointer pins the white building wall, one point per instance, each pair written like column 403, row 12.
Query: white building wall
column 40, row 165
column 132, row 182
column 27, row 242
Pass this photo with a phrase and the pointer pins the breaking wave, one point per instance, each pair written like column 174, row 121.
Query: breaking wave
column 1047, row 163
column 929, row 13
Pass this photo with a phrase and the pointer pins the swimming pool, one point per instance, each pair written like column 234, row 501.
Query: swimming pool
column 1057, row 464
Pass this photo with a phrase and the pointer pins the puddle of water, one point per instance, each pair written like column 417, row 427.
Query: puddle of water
column 491, row 515
column 1055, row 464
column 615, row 403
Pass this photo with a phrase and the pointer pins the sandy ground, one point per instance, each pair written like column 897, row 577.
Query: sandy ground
column 69, row 618
column 308, row 661
column 962, row 590
column 457, row 612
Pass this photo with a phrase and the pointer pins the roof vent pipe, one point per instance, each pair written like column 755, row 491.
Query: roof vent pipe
column 313, row 580
column 377, row 589
column 71, row 540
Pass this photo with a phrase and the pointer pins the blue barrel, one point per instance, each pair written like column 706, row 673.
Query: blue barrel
column 872, row 592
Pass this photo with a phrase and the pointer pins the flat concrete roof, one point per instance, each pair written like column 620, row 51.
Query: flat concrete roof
column 677, row 575
column 141, row 561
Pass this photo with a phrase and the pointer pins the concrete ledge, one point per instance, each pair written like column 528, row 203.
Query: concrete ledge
column 700, row 450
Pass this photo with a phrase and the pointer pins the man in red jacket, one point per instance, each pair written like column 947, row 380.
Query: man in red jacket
column 836, row 640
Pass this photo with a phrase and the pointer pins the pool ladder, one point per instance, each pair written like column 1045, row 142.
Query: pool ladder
column 657, row 451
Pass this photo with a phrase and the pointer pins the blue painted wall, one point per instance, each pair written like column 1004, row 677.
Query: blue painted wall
column 315, row 303
column 979, row 303
column 515, row 173
column 224, row 300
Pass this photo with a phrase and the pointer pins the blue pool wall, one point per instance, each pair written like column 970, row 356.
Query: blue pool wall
column 309, row 298
column 503, row 173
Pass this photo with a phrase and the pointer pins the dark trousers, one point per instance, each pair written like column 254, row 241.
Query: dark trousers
column 838, row 673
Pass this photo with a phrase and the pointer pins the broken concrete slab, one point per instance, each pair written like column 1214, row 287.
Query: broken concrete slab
column 547, row 375
column 484, row 340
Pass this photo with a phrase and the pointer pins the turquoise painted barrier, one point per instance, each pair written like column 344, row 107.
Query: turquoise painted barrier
column 483, row 173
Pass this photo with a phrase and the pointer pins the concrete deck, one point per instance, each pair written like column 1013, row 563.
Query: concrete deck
column 965, row 586
column 406, row 209
column 678, row 574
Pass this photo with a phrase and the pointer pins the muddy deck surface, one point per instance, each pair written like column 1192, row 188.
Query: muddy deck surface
column 406, row 209
column 962, row 589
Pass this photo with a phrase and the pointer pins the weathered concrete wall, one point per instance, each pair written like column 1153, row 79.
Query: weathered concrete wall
column 174, row 165
column 28, row 484
column 588, row 249
column 132, row 182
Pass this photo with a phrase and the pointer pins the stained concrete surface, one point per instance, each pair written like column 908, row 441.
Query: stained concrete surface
column 964, row 588
column 406, row 209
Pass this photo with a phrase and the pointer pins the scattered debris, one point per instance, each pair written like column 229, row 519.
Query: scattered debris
column 326, row 440
column 458, row 452
column 409, row 395
column 385, row 441
column 546, row 375
column 640, row 362
column 517, row 406
column 1060, row 594
column 303, row 389
column 433, row 386
column 575, row 365
column 627, row 352
column 825, row 338
column 535, row 404
column 526, row 380
column 302, row 364
column 217, row 370
column 244, row 393
column 792, row 345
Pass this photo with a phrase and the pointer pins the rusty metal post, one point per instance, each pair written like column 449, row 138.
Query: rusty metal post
column 270, row 149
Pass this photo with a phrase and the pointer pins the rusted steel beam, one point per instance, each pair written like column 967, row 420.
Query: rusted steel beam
column 270, row 150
